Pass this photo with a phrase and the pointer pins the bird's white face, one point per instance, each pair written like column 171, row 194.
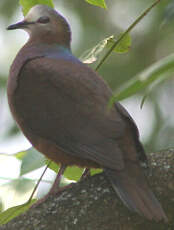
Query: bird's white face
column 37, row 12
column 42, row 18
column 43, row 22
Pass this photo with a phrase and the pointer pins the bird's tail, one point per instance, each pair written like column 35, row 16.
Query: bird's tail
column 131, row 186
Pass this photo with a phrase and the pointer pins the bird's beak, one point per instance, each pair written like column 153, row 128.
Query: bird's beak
column 19, row 25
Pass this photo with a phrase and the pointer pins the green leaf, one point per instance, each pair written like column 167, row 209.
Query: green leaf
column 168, row 14
column 28, row 4
column 53, row 166
column 94, row 53
column 95, row 171
column 150, row 77
column 18, row 191
column 21, row 185
column 20, row 155
column 100, row 3
column 1, row 206
column 123, row 46
column 13, row 212
column 32, row 161
column 125, row 33
column 73, row 173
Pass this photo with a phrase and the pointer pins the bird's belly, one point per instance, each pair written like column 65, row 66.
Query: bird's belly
column 53, row 152
column 48, row 147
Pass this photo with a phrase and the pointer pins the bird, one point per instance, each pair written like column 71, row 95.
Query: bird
column 61, row 106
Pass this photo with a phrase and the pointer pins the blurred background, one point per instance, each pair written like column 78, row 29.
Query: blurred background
column 152, row 39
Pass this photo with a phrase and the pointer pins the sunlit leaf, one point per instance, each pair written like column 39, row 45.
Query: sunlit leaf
column 28, row 4
column 95, row 171
column 13, row 212
column 93, row 54
column 100, row 3
column 1, row 206
column 31, row 161
column 20, row 155
column 52, row 165
column 16, row 191
column 123, row 46
column 73, row 173
column 153, row 75
column 21, row 185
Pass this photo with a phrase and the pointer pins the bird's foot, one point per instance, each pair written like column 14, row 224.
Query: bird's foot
column 51, row 193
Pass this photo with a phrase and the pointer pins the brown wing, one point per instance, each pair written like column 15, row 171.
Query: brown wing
column 134, row 133
column 66, row 102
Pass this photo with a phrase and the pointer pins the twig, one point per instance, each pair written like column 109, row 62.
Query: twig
column 126, row 32
column 34, row 190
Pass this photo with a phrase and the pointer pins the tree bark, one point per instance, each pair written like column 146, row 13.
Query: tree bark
column 93, row 205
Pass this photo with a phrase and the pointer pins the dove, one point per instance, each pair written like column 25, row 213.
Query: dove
column 61, row 106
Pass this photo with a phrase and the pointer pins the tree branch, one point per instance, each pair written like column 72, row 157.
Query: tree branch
column 93, row 205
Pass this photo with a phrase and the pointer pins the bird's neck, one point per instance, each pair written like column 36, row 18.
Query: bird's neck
column 32, row 49
column 60, row 40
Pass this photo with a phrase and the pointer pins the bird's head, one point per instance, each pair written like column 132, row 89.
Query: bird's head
column 45, row 24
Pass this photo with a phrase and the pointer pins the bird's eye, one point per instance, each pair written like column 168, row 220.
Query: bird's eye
column 43, row 20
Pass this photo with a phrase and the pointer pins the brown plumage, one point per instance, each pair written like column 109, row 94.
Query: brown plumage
column 61, row 105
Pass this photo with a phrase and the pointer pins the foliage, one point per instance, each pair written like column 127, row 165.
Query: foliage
column 13, row 212
column 96, row 52
column 169, row 13
column 150, row 77
column 27, row 5
column 100, row 3
column 31, row 161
